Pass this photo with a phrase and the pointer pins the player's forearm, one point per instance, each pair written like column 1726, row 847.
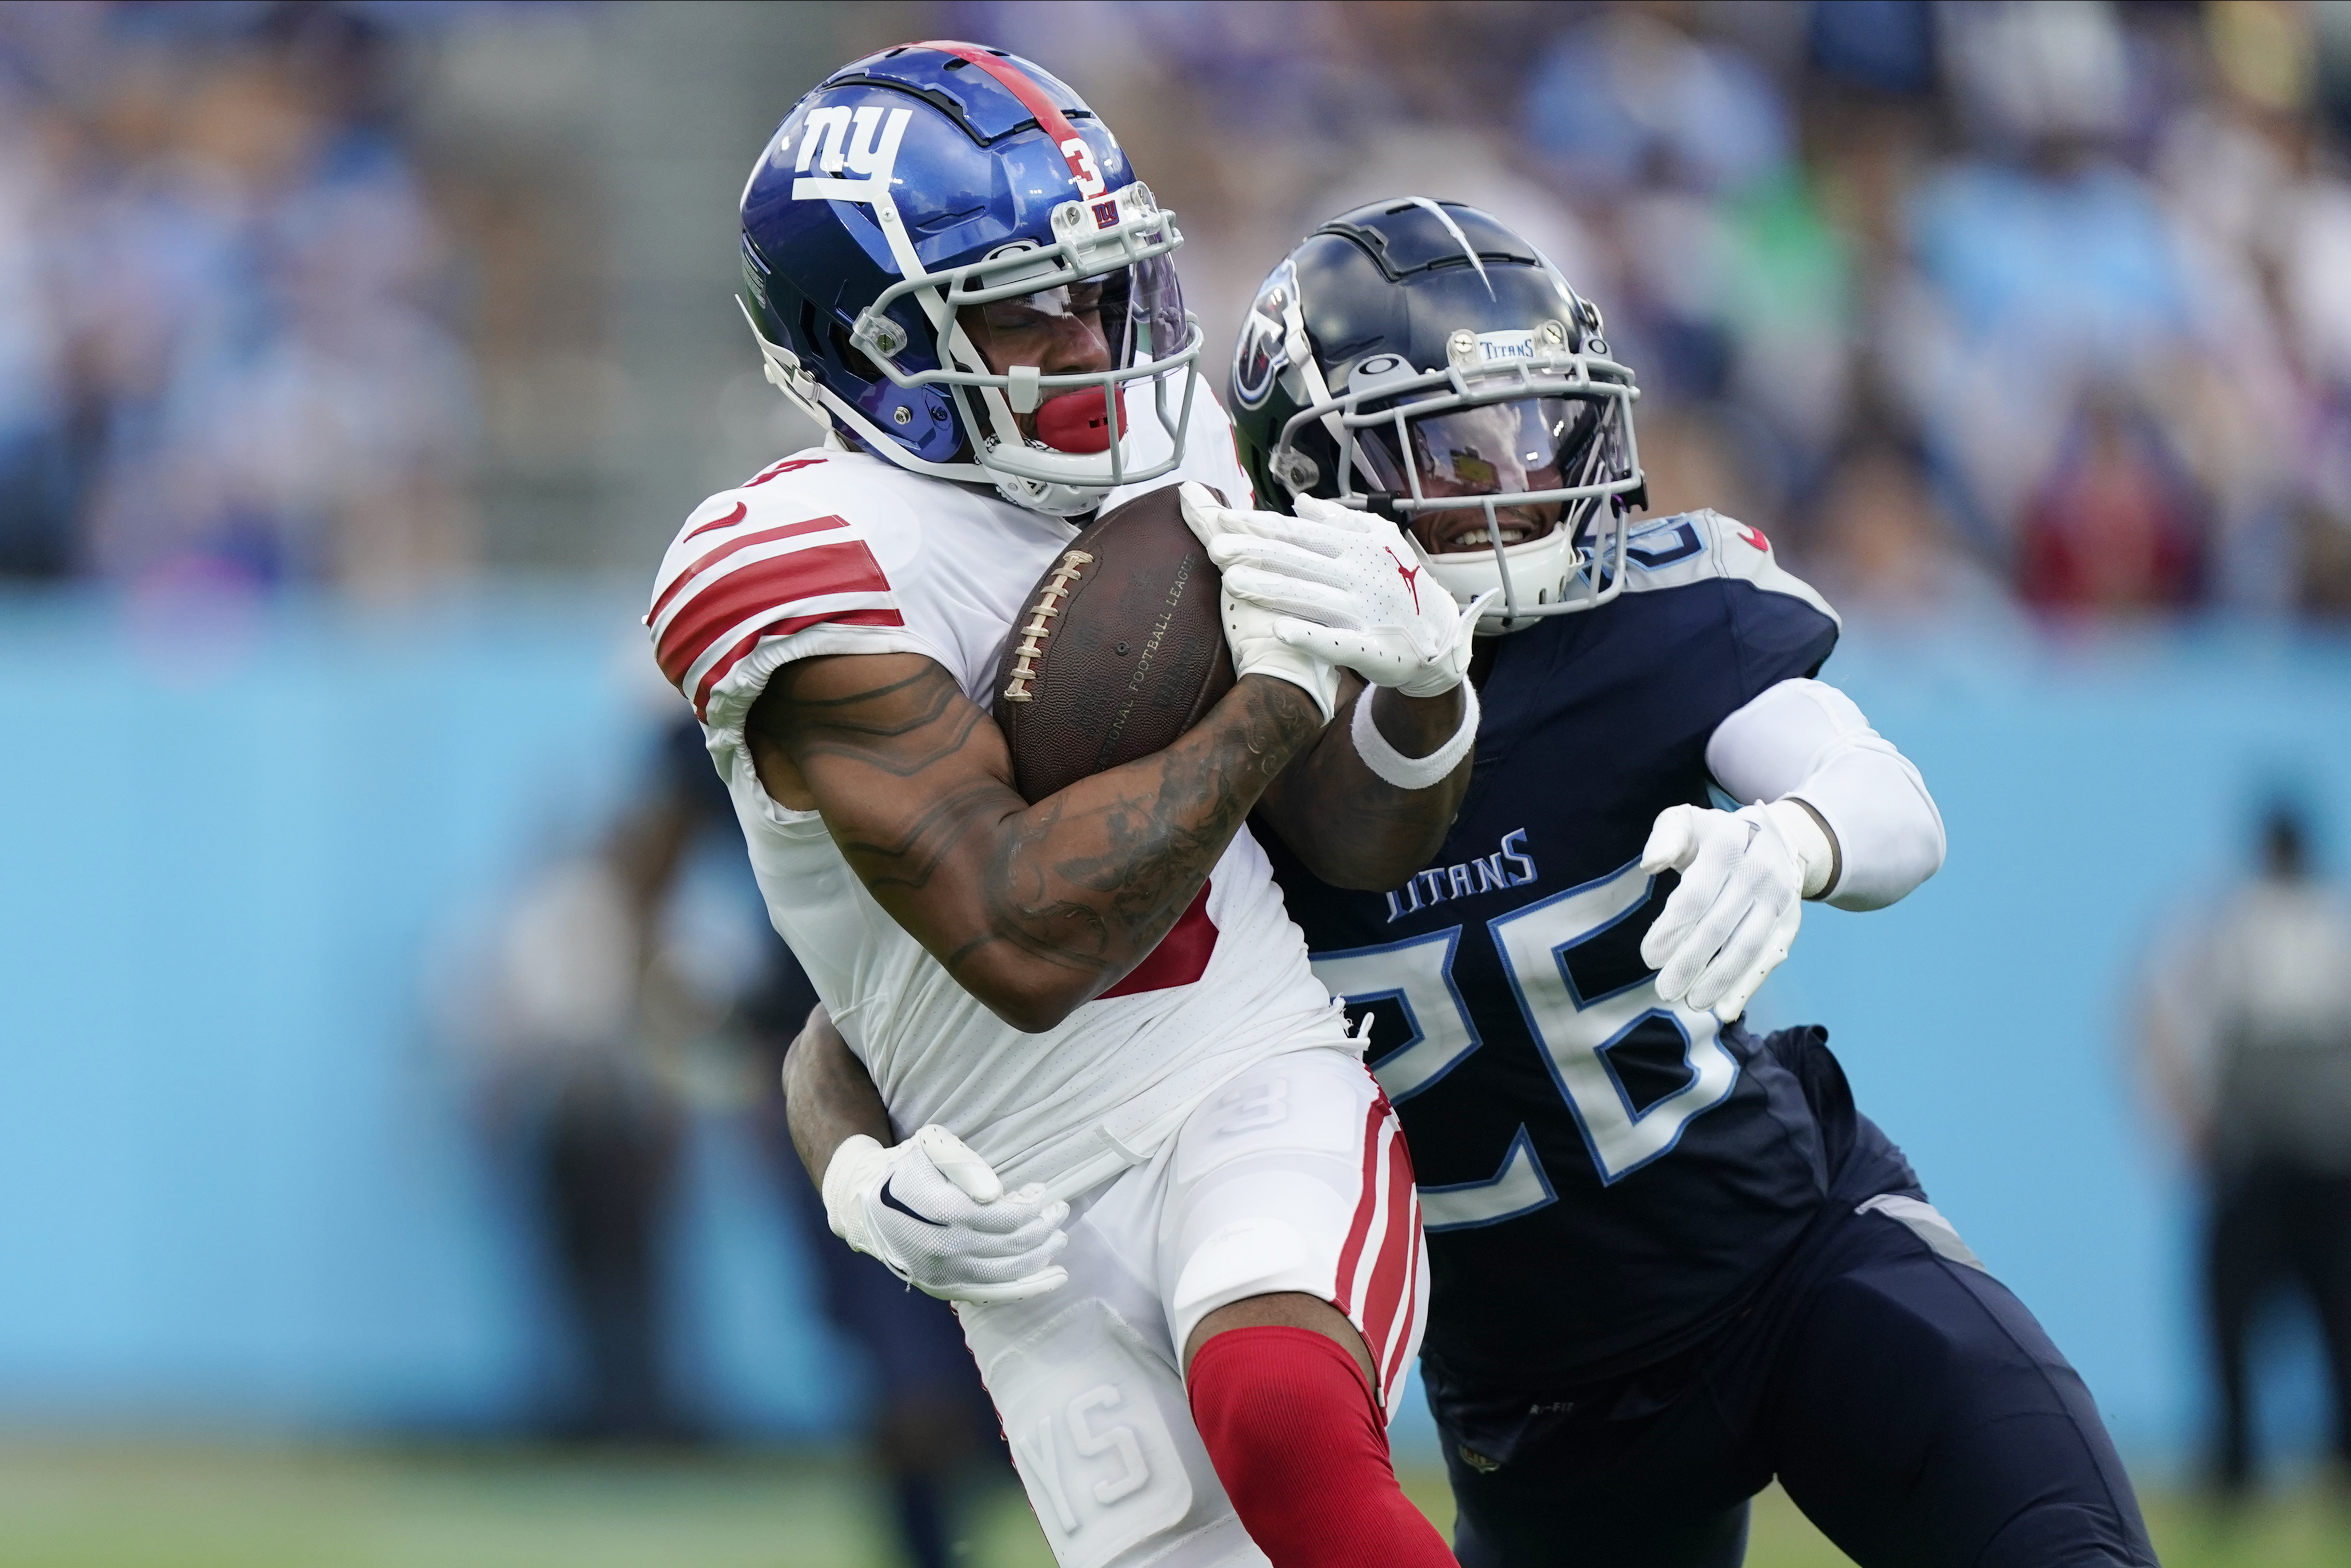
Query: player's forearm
column 828, row 1096
column 1073, row 893
column 1037, row 909
column 1351, row 827
column 1806, row 740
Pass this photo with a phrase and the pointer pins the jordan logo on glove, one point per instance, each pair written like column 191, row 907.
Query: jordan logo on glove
column 1410, row 575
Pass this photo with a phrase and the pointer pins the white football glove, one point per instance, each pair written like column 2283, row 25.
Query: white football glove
column 937, row 1217
column 1250, row 631
column 1745, row 875
column 1348, row 587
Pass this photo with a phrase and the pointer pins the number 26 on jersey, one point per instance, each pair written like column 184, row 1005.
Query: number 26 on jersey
column 1575, row 1031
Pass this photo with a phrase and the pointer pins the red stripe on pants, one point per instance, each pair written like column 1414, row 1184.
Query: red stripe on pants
column 1365, row 1207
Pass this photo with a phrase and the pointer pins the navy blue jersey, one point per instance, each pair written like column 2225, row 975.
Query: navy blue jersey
column 1602, row 1176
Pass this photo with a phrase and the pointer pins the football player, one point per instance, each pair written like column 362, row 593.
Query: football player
column 1671, row 1262
column 1095, row 998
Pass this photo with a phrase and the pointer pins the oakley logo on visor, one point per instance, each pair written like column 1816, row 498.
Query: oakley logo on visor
column 864, row 141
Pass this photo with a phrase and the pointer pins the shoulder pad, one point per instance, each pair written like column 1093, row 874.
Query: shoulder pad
column 1691, row 546
column 807, row 542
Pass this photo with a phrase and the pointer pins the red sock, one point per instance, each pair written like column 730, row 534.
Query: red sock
column 1295, row 1433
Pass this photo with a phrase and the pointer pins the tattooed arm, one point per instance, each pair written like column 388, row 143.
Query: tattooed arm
column 1351, row 828
column 1035, row 910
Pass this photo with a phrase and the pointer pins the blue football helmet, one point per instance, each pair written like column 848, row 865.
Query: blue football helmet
column 933, row 176
column 1415, row 357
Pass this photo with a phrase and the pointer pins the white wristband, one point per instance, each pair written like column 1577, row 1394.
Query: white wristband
column 1412, row 772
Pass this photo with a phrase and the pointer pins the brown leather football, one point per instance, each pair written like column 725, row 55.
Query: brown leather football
column 1120, row 648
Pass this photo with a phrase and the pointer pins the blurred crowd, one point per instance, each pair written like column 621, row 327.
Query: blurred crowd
column 1977, row 307
column 222, row 359
column 1973, row 306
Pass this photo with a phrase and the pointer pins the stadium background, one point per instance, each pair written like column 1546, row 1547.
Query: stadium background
column 356, row 361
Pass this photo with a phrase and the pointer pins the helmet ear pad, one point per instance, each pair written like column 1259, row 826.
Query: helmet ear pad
column 919, row 419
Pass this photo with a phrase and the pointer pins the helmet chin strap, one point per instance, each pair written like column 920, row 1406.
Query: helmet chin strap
column 1301, row 355
column 1299, row 349
column 1502, row 562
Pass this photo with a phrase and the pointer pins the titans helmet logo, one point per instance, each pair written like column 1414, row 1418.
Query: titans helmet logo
column 1263, row 350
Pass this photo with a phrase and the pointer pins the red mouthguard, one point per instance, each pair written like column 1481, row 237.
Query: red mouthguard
column 1076, row 422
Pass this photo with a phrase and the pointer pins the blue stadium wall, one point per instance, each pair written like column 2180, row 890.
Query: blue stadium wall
column 242, row 1188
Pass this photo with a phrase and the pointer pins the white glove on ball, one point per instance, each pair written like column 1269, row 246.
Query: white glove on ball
column 1251, row 631
column 1744, row 874
column 937, row 1217
column 1348, row 587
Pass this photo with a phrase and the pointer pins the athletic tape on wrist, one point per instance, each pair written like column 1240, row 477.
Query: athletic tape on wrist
column 1412, row 772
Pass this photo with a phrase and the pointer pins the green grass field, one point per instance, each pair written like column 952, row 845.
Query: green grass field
column 118, row 1506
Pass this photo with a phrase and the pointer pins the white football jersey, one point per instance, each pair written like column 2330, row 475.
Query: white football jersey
column 831, row 551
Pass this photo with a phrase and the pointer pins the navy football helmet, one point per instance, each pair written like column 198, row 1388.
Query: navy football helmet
column 1415, row 357
column 933, row 176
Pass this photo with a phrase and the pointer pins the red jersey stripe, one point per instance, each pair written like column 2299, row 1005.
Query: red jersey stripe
column 1233, row 439
column 1353, row 1252
column 729, row 521
column 788, row 466
column 765, row 536
column 725, row 666
column 1181, row 957
column 777, row 584
column 847, row 609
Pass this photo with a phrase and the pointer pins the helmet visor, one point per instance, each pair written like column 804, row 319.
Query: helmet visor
column 1503, row 449
column 1144, row 304
column 1131, row 317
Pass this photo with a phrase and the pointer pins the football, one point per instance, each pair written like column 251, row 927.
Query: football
column 1120, row 649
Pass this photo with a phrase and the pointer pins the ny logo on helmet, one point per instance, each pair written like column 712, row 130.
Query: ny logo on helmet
column 865, row 140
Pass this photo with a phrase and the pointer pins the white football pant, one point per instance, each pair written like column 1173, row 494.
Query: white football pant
column 1292, row 1177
